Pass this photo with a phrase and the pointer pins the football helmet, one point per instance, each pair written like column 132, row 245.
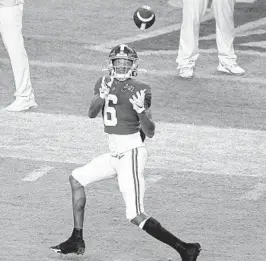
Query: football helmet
column 123, row 62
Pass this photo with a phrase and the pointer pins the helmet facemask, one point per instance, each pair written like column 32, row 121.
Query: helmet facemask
column 123, row 68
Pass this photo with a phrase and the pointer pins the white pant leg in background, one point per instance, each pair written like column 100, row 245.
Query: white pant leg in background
column 11, row 31
column 225, row 30
column 193, row 12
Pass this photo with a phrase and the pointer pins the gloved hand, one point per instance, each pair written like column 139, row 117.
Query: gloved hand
column 106, row 84
column 138, row 101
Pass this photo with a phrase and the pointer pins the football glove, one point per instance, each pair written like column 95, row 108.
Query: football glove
column 138, row 101
column 105, row 86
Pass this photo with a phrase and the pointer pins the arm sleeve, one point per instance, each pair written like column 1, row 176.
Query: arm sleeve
column 97, row 86
column 148, row 95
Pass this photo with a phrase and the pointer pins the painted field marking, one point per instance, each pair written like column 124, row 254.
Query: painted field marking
column 65, row 39
column 208, row 51
column 167, row 29
column 251, row 25
column 247, row 33
column 37, row 173
column 240, row 34
column 199, row 149
column 241, row 29
column 150, row 180
column 255, row 193
column 175, row 3
column 179, row 3
column 162, row 73
column 255, row 44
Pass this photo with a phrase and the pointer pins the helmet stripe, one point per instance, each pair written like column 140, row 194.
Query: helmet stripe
column 145, row 20
column 122, row 47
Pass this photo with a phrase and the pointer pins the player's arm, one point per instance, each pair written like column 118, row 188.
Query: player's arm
column 101, row 91
column 146, row 122
column 96, row 106
column 141, row 103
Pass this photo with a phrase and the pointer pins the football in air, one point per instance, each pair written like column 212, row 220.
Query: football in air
column 144, row 17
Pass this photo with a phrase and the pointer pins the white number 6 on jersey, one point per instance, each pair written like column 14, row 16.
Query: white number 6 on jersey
column 109, row 113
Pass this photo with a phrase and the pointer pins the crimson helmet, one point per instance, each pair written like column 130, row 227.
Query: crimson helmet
column 123, row 62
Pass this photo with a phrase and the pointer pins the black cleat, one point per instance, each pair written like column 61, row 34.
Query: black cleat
column 76, row 246
column 191, row 252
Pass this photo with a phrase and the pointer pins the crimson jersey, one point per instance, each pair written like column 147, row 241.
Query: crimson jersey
column 119, row 117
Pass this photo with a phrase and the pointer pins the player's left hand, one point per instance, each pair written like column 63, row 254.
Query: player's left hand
column 138, row 101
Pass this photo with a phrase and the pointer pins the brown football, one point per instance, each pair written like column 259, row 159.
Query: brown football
column 144, row 17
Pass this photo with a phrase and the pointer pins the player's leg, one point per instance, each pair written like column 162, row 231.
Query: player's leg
column 187, row 251
column 131, row 183
column 11, row 29
column 225, row 34
column 193, row 12
column 98, row 169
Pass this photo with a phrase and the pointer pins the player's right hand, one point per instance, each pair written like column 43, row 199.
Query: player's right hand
column 105, row 86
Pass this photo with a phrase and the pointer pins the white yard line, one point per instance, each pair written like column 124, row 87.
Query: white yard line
column 251, row 25
column 239, row 34
column 176, row 147
column 240, row 30
column 37, row 173
column 163, row 73
column 255, row 44
column 64, row 39
column 208, row 51
column 152, row 179
column 178, row 3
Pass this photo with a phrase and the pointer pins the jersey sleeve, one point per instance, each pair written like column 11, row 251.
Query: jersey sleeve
column 97, row 86
column 148, row 95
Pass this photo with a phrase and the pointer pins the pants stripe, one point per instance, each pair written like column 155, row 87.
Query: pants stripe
column 136, row 179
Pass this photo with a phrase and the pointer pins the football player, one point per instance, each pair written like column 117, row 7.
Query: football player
column 125, row 106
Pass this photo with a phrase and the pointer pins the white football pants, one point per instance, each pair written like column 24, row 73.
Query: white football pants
column 193, row 12
column 128, row 168
column 11, row 31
